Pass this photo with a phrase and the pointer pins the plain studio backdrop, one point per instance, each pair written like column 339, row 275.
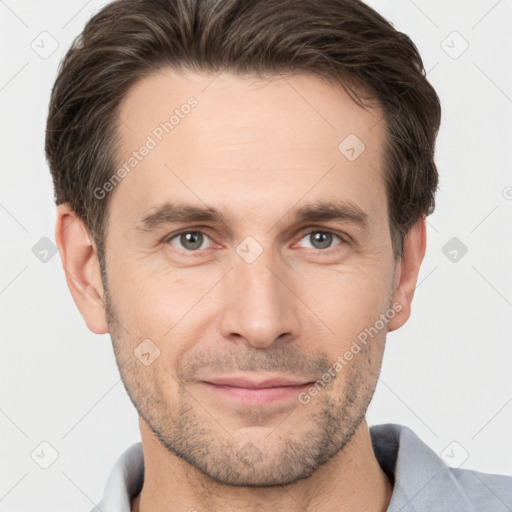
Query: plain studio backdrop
column 64, row 414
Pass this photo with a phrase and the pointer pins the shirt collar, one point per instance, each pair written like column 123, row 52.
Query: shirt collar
column 422, row 481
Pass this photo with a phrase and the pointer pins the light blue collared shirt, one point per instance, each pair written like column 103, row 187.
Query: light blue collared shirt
column 422, row 481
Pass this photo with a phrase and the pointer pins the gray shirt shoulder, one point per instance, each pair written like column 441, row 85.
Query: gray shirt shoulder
column 424, row 482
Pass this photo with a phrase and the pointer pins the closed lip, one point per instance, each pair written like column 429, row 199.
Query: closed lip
column 242, row 382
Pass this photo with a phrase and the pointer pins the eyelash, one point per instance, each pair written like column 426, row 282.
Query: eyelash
column 307, row 231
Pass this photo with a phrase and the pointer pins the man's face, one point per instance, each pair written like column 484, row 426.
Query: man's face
column 261, row 292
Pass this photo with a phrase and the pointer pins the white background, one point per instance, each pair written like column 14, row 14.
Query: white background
column 446, row 374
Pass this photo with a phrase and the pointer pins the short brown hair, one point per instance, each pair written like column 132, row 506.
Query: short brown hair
column 342, row 41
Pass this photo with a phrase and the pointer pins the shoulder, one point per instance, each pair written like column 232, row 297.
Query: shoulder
column 424, row 482
column 485, row 489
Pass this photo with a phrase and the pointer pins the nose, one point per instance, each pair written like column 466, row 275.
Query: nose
column 259, row 305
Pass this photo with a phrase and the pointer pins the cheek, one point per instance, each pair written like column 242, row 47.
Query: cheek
column 169, row 306
column 347, row 302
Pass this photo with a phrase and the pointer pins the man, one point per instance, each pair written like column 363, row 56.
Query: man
column 242, row 191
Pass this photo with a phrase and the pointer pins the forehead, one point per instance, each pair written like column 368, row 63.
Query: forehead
column 274, row 140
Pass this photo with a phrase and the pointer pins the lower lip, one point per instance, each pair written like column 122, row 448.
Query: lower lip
column 257, row 396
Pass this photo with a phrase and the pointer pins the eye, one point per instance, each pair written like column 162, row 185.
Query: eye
column 321, row 239
column 189, row 240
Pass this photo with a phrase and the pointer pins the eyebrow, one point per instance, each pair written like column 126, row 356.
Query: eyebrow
column 333, row 210
column 169, row 213
column 178, row 212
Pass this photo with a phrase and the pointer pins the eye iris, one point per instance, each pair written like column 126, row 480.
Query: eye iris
column 321, row 240
column 192, row 240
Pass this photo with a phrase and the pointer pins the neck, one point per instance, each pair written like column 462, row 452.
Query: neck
column 351, row 481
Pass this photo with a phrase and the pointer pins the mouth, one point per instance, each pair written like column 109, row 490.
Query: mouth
column 256, row 392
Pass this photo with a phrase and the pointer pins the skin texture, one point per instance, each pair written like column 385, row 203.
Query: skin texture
column 257, row 150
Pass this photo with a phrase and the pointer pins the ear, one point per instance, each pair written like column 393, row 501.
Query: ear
column 406, row 274
column 82, row 268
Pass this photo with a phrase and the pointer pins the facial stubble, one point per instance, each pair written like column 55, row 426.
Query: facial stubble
column 289, row 451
